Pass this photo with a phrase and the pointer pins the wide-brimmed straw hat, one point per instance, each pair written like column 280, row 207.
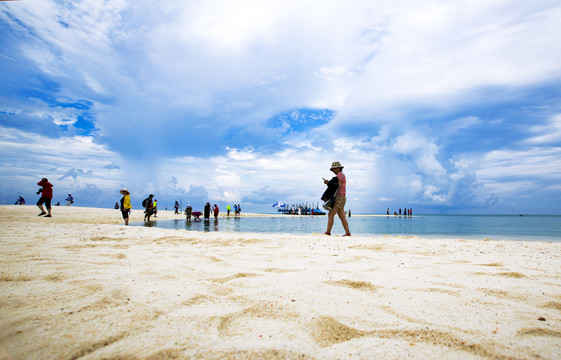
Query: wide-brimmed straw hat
column 124, row 190
column 336, row 165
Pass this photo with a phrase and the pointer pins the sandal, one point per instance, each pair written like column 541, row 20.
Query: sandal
column 41, row 214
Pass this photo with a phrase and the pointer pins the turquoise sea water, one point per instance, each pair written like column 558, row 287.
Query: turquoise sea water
column 495, row 227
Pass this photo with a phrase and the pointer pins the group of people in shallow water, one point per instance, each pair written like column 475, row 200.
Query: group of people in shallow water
column 406, row 212
column 151, row 208
column 207, row 211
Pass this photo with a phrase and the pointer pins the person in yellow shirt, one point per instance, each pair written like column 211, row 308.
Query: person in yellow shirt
column 125, row 204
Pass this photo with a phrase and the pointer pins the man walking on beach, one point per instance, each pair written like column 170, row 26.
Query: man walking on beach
column 46, row 196
column 340, row 200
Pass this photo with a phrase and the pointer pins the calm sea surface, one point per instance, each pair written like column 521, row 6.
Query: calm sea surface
column 496, row 227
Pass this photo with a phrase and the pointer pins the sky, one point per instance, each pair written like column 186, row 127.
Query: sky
column 443, row 107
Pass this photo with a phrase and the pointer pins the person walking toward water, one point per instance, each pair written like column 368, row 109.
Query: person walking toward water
column 207, row 212
column 125, row 204
column 149, row 205
column 188, row 210
column 340, row 200
column 46, row 192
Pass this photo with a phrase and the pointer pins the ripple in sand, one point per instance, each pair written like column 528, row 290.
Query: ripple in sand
column 326, row 331
column 553, row 305
column 235, row 276
column 359, row 285
column 173, row 240
column 369, row 247
column 104, row 238
column 261, row 354
column 86, row 348
column 442, row 291
column 15, row 278
column 199, row 299
column 497, row 264
column 539, row 332
column 280, row 271
column 516, row 275
column 511, row 274
column 54, row 277
column 502, row 294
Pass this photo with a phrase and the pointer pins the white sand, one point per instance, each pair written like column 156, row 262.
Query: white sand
column 82, row 285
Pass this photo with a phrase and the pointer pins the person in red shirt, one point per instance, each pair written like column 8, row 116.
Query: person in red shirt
column 46, row 196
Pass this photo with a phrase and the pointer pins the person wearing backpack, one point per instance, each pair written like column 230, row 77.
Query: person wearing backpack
column 148, row 204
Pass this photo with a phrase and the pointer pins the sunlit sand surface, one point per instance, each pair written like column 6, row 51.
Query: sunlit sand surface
column 82, row 285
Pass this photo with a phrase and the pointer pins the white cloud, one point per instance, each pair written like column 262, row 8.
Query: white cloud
column 422, row 150
column 513, row 175
column 457, row 125
column 159, row 72
column 549, row 133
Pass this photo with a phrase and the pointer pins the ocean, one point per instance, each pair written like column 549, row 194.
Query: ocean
column 494, row 227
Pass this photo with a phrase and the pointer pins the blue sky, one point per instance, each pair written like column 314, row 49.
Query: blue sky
column 442, row 107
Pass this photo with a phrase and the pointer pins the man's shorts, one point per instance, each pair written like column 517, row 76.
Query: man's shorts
column 44, row 200
column 340, row 202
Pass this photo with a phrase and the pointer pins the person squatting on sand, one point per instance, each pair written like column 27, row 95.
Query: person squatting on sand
column 340, row 200
column 125, row 204
column 46, row 196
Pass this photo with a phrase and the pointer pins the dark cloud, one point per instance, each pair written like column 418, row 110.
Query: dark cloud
column 74, row 173
column 111, row 167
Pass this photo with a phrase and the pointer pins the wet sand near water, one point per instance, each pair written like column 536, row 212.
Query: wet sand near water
column 82, row 285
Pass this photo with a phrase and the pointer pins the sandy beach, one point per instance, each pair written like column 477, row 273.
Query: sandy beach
column 81, row 285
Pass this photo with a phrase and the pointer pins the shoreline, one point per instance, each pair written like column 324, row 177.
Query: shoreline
column 81, row 284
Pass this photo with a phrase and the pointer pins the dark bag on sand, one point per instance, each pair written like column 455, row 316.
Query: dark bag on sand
column 332, row 187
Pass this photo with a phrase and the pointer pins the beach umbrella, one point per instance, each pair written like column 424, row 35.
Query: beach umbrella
column 279, row 204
